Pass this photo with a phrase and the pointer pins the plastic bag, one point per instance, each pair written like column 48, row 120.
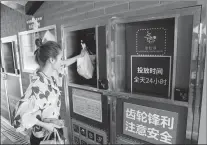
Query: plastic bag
column 48, row 36
column 85, row 66
column 57, row 139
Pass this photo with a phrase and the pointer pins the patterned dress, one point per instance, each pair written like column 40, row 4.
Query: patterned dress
column 41, row 100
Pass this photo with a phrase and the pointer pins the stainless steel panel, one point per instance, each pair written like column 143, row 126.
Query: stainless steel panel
column 7, row 53
column 4, row 102
column 14, row 93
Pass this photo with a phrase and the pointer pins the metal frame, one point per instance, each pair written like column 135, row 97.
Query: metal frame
column 9, row 39
column 7, row 99
column 38, row 30
column 14, row 41
column 13, row 55
column 174, row 57
column 200, row 70
column 65, row 28
column 202, row 122
column 168, row 14
column 203, row 63
column 97, row 60
column 30, row 32
column 68, row 28
column 153, row 14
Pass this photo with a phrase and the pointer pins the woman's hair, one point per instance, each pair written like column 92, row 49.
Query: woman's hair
column 50, row 49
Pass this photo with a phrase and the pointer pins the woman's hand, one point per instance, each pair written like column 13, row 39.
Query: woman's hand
column 58, row 122
column 72, row 60
column 48, row 126
column 83, row 51
column 83, row 45
column 51, row 127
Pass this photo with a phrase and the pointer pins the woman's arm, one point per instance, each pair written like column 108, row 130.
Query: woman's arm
column 30, row 119
column 48, row 126
column 70, row 61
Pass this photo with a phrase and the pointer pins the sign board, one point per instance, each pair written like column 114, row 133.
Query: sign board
column 87, row 104
column 151, row 75
column 34, row 23
column 148, row 38
column 151, row 40
column 150, row 124
column 153, row 37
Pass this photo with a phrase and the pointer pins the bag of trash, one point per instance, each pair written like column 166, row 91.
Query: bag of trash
column 85, row 66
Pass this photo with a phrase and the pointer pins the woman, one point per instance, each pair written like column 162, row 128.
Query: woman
column 39, row 108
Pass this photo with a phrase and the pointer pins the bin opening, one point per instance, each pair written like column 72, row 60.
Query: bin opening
column 73, row 45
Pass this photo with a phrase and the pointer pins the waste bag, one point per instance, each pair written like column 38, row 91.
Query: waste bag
column 85, row 66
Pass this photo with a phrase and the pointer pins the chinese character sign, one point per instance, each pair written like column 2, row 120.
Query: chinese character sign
column 151, row 37
column 34, row 23
column 150, row 124
column 151, row 75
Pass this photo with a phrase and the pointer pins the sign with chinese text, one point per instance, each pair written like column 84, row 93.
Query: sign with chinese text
column 151, row 75
column 87, row 104
column 148, row 38
column 150, row 124
column 34, row 23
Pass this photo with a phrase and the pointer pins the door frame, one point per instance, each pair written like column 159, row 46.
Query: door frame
column 67, row 28
column 50, row 27
column 13, row 39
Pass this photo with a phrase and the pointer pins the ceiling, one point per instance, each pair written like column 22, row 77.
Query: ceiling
column 24, row 7
column 16, row 5
column 21, row 2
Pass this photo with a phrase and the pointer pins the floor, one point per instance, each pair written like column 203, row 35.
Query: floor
column 10, row 136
